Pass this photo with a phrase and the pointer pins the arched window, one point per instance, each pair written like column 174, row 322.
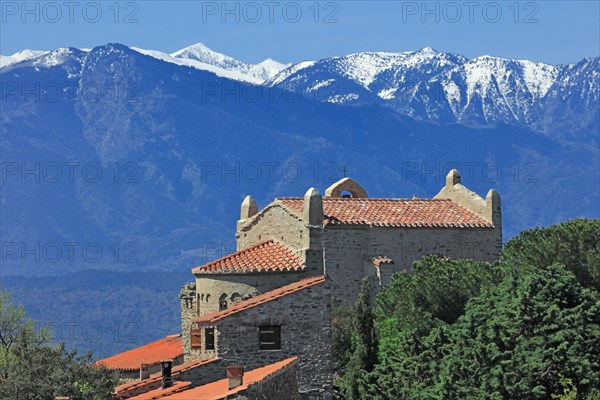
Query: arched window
column 223, row 302
column 235, row 297
column 207, row 297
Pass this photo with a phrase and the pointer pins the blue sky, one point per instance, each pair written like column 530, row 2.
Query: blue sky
column 291, row 31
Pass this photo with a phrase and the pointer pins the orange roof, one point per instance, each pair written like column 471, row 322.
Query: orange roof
column 267, row 256
column 167, row 348
column 377, row 260
column 161, row 393
column 413, row 213
column 261, row 299
column 156, row 378
column 220, row 389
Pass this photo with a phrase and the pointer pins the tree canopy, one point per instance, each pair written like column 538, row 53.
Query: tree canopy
column 527, row 327
column 31, row 368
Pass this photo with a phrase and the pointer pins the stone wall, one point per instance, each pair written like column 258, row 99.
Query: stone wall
column 274, row 222
column 211, row 287
column 347, row 251
column 305, row 320
column 282, row 385
column 189, row 311
column 204, row 373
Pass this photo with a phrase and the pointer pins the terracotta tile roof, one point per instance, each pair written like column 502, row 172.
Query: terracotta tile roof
column 267, row 256
column 167, row 348
column 160, row 393
column 377, row 260
column 155, row 379
column 414, row 213
column 261, row 299
column 220, row 389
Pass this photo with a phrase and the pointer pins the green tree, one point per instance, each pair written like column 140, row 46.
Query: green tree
column 363, row 351
column 341, row 322
column 412, row 317
column 517, row 340
column 574, row 244
column 17, row 331
column 467, row 330
column 32, row 369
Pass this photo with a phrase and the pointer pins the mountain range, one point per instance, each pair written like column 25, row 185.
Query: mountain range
column 179, row 139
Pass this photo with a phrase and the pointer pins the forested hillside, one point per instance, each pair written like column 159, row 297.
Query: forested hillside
column 105, row 312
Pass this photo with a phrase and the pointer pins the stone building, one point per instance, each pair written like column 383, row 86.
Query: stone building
column 272, row 298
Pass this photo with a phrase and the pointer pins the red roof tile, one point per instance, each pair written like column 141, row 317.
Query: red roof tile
column 155, row 379
column 414, row 213
column 161, row 393
column 261, row 299
column 220, row 389
column 167, row 348
column 377, row 260
column 267, row 256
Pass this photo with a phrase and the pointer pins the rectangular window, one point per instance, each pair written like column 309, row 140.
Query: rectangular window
column 209, row 337
column 270, row 337
column 196, row 338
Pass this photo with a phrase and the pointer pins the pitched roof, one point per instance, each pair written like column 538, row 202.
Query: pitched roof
column 261, row 299
column 167, row 348
column 155, row 380
column 266, row 256
column 413, row 213
column 220, row 389
column 161, row 393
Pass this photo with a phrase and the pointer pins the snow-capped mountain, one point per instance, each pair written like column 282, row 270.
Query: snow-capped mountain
column 20, row 56
column 253, row 72
column 196, row 56
column 558, row 100
column 449, row 88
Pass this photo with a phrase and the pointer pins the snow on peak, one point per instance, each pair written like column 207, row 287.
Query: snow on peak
column 289, row 71
column 200, row 52
column 20, row 56
column 427, row 50
column 255, row 73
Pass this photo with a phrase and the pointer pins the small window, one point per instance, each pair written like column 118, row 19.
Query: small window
column 209, row 336
column 270, row 337
column 196, row 339
column 236, row 297
column 223, row 302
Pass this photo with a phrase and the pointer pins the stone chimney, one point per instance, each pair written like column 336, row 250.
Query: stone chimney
column 235, row 376
column 144, row 372
column 166, row 366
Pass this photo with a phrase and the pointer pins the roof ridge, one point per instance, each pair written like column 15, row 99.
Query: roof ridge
column 395, row 212
column 262, row 298
column 368, row 198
